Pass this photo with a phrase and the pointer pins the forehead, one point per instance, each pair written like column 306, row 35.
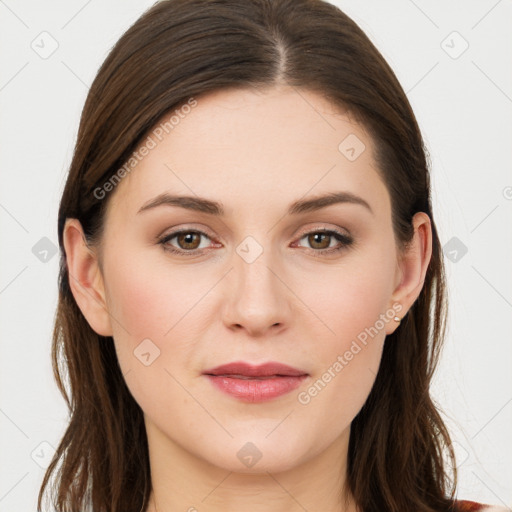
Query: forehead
column 248, row 148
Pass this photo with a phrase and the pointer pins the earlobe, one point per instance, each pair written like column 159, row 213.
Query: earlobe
column 413, row 264
column 85, row 279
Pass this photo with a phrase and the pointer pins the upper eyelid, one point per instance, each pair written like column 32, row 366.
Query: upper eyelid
column 179, row 229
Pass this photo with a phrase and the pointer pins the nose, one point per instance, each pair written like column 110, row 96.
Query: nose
column 258, row 297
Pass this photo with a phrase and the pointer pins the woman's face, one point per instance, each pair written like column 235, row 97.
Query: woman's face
column 255, row 283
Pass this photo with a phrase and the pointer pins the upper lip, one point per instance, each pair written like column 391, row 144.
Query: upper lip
column 249, row 370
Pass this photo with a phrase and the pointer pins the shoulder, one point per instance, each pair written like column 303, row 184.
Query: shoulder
column 471, row 506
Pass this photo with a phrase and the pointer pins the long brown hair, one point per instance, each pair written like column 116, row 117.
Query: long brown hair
column 400, row 456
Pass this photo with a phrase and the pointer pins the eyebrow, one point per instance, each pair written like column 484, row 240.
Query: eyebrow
column 204, row 205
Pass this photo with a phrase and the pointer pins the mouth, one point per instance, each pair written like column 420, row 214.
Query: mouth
column 246, row 377
column 254, row 384
column 243, row 369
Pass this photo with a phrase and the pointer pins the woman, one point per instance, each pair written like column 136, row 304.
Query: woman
column 252, row 293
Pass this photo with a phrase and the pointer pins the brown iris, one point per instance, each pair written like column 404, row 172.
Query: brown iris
column 186, row 240
column 314, row 238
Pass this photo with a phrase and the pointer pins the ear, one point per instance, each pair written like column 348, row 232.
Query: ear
column 85, row 278
column 412, row 266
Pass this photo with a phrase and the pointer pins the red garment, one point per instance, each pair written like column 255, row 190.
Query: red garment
column 469, row 506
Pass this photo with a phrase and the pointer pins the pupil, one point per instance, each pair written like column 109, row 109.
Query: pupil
column 317, row 238
column 187, row 239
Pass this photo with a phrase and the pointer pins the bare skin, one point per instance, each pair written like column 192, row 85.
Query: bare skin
column 256, row 153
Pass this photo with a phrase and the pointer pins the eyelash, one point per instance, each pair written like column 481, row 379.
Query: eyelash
column 345, row 240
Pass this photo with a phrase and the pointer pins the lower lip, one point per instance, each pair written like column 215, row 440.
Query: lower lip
column 256, row 390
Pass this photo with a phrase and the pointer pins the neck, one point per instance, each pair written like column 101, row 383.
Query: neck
column 183, row 481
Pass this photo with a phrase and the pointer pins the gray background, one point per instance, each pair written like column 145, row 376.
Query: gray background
column 463, row 101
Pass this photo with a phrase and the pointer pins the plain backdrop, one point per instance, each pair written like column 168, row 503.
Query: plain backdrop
column 453, row 59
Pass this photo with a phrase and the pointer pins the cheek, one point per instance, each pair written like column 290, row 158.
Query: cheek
column 149, row 305
column 348, row 299
column 351, row 303
column 139, row 304
column 149, row 297
column 347, row 360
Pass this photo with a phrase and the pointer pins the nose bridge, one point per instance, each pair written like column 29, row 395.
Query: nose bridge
column 252, row 265
column 258, row 297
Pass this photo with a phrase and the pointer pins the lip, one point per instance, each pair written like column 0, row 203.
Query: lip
column 255, row 383
column 249, row 370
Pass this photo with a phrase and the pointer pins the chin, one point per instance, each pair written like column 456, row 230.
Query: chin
column 256, row 454
column 269, row 464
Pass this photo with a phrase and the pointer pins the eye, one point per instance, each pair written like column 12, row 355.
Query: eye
column 320, row 241
column 188, row 241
